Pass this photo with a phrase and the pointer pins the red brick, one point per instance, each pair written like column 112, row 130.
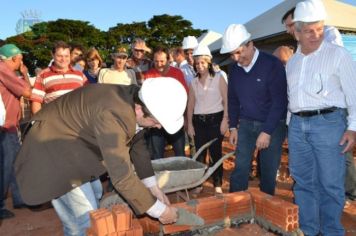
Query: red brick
column 137, row 228
column 99, row 225
column 90, row 232
column 149, row 225
column 122, row 217
column 110, row 222
column 282, row 206
column 211, row 209
column 171, row 229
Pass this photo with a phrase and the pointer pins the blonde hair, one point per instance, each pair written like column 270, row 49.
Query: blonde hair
column 207, row 59
column 204, row 57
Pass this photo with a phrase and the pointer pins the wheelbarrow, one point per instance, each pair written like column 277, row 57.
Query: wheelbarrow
column 175, row 174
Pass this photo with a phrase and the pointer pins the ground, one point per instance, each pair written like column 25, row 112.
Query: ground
column 43, row 222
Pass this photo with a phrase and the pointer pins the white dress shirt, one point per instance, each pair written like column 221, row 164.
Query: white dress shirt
column 324, row 78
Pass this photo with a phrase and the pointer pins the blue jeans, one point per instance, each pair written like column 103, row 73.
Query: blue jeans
column 318, row 168
column 10, row 145
column 157, row 142
column 73, row 207
column 269, row 158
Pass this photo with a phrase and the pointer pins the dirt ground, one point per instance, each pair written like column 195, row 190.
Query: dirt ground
column 44, row 222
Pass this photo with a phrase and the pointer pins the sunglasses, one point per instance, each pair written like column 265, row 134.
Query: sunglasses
column 120, row 56
column 139, row 50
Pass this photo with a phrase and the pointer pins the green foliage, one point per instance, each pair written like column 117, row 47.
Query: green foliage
column 163, row 30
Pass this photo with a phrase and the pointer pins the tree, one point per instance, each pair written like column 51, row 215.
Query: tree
column 124, row 34
column 39, row 41
column 170, row 30
column 163, row 30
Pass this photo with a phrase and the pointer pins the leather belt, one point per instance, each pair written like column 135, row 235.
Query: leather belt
column 206, row 117
column 315, row 112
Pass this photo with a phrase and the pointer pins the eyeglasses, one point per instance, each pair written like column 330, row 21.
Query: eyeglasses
column 121, row 57
column 139, row 50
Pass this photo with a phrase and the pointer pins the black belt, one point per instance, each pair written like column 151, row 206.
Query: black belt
column 206, row 117
column 315, row 112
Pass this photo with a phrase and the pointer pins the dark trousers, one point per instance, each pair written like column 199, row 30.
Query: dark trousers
column 157, row 141
column 207, row 127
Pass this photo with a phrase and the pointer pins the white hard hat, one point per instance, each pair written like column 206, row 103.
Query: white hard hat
column 189, row 42
column 166, row 99
column 309, row 11
column 202, row 50
column 235, row 35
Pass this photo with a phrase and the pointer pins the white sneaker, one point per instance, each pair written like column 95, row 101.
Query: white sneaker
column 218, row 190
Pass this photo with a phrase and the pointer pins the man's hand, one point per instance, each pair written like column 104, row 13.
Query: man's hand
column 23, row 69
column 159, row 194
column 263, row 141
column 233, row 137
column 169, row 216
column 349, row 137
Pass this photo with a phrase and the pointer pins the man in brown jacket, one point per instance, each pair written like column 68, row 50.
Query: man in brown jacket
column 81, row 135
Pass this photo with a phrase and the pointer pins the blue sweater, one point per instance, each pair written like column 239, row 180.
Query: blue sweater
column 260, row 94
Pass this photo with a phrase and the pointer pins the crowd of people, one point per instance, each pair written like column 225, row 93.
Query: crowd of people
column 89, row 119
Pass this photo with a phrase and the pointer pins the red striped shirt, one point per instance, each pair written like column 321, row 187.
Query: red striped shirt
column 51, row 84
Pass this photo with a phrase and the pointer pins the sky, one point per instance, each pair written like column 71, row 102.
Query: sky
column 212, row 15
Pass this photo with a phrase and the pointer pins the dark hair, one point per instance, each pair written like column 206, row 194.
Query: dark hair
column 137, row 100
column 59, row 44
column 178, row 51
column 77, row 46
column 161, row 49
column 289, row 12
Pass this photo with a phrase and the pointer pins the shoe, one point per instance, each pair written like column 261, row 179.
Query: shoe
column 6, row 214
column 218, row 190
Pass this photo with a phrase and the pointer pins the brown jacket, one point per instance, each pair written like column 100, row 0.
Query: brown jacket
column 77, row 138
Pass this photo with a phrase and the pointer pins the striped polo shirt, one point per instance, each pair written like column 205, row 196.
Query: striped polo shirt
column 51, row 84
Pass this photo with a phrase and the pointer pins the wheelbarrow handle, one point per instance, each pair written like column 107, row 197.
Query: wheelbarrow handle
column 211, row 170
column 202, row 148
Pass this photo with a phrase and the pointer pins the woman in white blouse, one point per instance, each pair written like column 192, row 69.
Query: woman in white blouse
column 207, row 110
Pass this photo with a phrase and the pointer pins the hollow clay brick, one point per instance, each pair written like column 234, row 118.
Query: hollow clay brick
column 149, row 225
column 137, row 228
column 280, row 205
column 122, row 217
column 99, row 225
column 110, row 223
column 171, row 229
column 90, row 232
